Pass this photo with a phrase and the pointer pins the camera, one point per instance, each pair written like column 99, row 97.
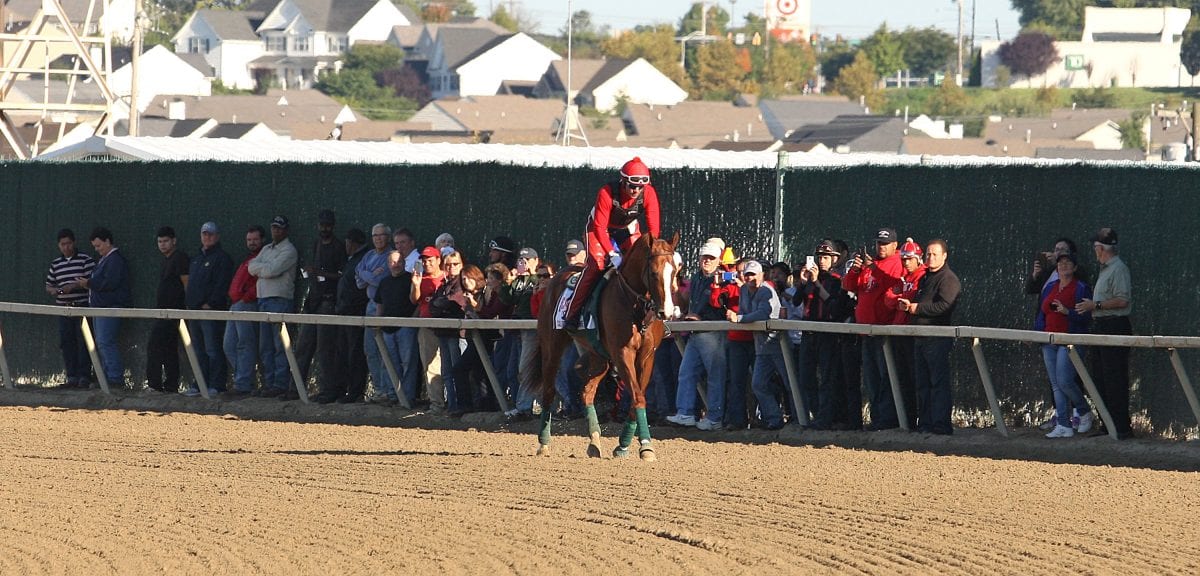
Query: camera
column 727, row 276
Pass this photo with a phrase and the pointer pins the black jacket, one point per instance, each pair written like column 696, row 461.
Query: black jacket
column 937, row 297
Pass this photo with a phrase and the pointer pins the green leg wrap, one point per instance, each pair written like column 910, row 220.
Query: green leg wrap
column 544, row 434
column 593, row 422
column 643, row 426
column 627, row 433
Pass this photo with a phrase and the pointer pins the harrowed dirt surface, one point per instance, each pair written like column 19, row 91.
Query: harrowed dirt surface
column 135, row 484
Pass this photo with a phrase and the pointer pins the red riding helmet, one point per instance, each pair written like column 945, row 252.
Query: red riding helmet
column 635, row 172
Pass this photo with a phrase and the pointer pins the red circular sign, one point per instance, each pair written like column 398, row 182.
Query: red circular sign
column 786, row 6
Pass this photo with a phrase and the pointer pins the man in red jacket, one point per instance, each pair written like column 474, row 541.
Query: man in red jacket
column 242, row 341
column 613, row 225
column 871, row 279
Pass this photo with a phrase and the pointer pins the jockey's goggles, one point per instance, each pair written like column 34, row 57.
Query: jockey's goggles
column 637, row 180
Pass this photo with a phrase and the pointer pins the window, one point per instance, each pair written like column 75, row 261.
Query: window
column 197, row 45
column 275, row 43
column 338, row 44
column 300, row 44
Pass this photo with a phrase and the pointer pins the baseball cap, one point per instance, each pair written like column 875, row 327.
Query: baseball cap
column 827, row 247
column 910, row 249
column 752, row 267
column 1105, row 236
column 279, row 222
column 503, row 244
column 209, row 228
column 885, row 236
column 711, row 249
column 574, row 247
column 326, row 217
column 527, row 253
column 430, row 252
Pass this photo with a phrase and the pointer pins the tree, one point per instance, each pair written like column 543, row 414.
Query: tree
column 927, row 50
column 1061, row 19
column 1029, row 54
column 502, row 18
column 836, row 55
column 949, row 100
column 716, row 24
column 884, row 49
column 374, row 58
column 1133, row 131
column 859, row 80
column 654, row 43
column 717, row 74
column 444, row 10
column 789, row 68
column 1189, row 52
column 360, row 84
column 406, row 82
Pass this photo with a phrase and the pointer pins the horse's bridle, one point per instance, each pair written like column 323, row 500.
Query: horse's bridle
column 648, row 308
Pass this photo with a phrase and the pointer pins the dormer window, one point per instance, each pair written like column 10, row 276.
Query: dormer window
column 300, row 44
column 275, row 43
column 198, row 45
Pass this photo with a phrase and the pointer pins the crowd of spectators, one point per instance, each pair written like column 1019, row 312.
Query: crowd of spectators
column 743, row 374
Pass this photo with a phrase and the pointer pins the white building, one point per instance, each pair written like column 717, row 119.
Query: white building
column 1120, row 47
column 460, row 68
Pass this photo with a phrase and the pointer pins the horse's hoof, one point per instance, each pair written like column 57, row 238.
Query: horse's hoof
column 593, row 451
column 647, row 455
column 543, row 450
column 620, row 452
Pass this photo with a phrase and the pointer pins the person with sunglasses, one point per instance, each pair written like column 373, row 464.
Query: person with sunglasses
column 613, row 225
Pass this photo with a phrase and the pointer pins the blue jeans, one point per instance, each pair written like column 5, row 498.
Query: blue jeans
column 380, row 379
column 526, row 369
column 76, row 361
column 406, row 344
column 660, row 398
column 1062, row 380
column 704, row 355
column 567, row 383
column 207, row 340
column 276, row 370
column 934, row 396
column 107, row 347
column 506, row 359
column 739, row 361
column 451, row 352
column 398, row 349
column 765, row 367
column 241, row 347
column 876, row 380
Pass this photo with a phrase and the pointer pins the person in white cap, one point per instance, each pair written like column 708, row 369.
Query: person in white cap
column 760, row 302
column 705, row 352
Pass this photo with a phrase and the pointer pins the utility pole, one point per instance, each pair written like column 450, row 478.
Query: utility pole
column 133, row 67
column 958, row 80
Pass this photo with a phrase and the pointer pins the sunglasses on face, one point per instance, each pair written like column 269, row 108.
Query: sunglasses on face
column 637, row 180
column 543, row 275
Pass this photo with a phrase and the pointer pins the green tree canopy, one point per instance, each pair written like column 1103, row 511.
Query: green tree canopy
column 859, row 80
column 927, row 50
column 1189, row 52
column 789, row 68
column 718, row 77
column 884, row 49
column 374, row 58
column 836, row 56
column 717, row 23
column 654, row 43
column 503, row 19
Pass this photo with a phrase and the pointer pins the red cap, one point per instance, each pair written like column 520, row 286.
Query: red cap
column 430, row 252
column 635, row 167
column 910, row 249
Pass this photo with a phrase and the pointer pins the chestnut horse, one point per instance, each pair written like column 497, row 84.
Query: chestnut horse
column 630, row 314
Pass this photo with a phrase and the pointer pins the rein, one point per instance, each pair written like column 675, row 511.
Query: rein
column 642, row 303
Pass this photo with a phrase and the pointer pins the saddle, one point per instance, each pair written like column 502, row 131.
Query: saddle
column 589, row 325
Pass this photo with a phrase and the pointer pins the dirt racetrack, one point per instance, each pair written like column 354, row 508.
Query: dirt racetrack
column 92, row 485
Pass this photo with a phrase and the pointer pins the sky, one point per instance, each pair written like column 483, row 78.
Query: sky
column 850, row 18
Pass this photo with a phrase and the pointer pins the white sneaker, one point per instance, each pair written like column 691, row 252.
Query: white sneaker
column 1049, row 424
column 707, row 425
column 1061, row 432
column 682, row 420
column 1085, row 423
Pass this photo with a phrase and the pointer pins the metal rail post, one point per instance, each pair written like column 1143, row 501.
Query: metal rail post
column 8, row 379
column 390, row 366
column 1184, row 381
column 186, row 337
column 90, row 341
column 789, row 363
column 301, row 389
column 493, row 379
column 1091, row 388
column 986, row 376
column 894, row 378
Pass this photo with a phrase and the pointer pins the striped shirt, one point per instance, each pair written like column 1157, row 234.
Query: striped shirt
column 64, row 271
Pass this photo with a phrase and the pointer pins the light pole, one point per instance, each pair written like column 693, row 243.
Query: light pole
column 958, row 79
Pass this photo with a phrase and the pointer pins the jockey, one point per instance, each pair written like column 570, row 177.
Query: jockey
column 613, row 226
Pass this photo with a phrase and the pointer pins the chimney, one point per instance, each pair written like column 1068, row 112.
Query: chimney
column 1028, row 135
column 177, row 110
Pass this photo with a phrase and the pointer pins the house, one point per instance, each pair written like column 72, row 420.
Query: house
column 417, row 39
column 1096, row 128
column 476, row 61
column 1119, row 47
column 785, row 115
column 290, row 41
column 489, row 119
column 114, row 17
column 604, row 84
column 855, row 133
column 692, row 124
column 160, row 71
column 297, row 114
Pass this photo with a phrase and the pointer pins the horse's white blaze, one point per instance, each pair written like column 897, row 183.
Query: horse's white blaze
column 668, row 303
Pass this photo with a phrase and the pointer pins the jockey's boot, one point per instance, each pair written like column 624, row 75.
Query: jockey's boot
column 582, row 290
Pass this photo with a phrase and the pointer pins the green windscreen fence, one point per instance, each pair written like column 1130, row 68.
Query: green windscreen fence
column 994, row 219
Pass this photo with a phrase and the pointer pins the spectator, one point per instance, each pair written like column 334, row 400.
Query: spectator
column 484, row 304
column 820, row 296
column 431, row 275
column 449, row 302
column 242, row 336
column 739, row 348
column 1110, row 310
column 162, row 351
column 851, row 345
column 568, row 383
column 351, row 360
column 407, row 247
column 371, row 270
column 108, row 287
column 63, row 283
column 902, row 346
column 405, row 243
column 392, row 301
column 522, row 283
column 936, row 299
column 870, row 279
column 444, row 243
column 576, row 253
column 1057, row 314
column 502, row 250
column 705, row 351
column 1045, row 267
column 760, row 302
column 275, row 268
column 207, row 288
column 471, row 283
column 322, row 273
